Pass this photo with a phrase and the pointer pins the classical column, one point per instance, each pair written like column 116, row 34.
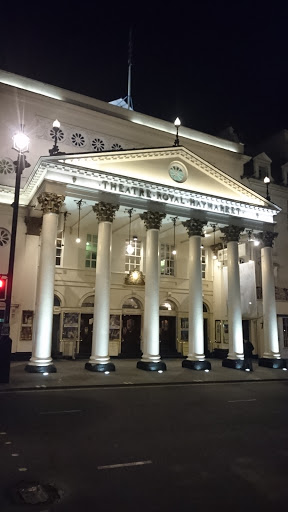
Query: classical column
column 41, row 360
column 151, row 358
column 99, row 360
column 235, row 358
column 271, row 357
column 196, row 357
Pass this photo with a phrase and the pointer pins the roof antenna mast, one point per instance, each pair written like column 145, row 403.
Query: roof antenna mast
column 129, row 97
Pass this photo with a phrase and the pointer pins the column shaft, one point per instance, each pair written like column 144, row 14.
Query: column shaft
column 196, row 334
column 271, row 342
column 42, row 332
column 151, row 315
column 100, row 339
column 234, row 303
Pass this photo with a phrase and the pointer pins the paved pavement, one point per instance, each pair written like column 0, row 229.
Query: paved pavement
column 72, row 374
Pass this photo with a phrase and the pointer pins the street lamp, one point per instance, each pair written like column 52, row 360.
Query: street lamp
column 267, row 181
column 55, row 149
column 21, row 145
column 177, row 123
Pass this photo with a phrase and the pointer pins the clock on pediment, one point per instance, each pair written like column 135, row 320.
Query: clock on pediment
column 177, row 172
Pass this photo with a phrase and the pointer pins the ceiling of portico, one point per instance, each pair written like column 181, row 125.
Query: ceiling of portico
column 120, row 226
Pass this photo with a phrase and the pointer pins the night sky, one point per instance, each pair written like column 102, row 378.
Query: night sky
column 213, row 66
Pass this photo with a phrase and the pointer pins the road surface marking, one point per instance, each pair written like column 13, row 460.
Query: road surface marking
column 249, row 400
column 14, row 454
column 8, row 442
column 3, row 433
column 61, row 412
column 139, row 463
column 22, row 469
column 128, row 382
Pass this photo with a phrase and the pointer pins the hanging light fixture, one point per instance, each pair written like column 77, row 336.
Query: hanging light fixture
column 129, row 248
column 174, row 243
column 79, row 204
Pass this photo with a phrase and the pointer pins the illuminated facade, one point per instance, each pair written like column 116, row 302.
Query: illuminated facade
column 120, row 180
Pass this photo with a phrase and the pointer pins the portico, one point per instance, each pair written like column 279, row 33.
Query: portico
column 157, row 184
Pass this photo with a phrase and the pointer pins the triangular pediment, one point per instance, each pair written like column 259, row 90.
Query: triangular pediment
column 154, row 166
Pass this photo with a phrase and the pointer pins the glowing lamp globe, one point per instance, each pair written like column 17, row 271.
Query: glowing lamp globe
column 21, row 142
column 130, row 249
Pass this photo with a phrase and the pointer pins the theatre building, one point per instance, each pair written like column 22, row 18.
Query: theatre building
column 134, row 241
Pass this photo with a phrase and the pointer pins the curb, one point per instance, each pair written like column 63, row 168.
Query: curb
column 146, row 385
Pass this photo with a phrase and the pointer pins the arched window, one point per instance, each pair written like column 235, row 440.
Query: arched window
column 205, row 308
column 131, row 303
column 167, row 305
column 88, row 302
column 57, row 301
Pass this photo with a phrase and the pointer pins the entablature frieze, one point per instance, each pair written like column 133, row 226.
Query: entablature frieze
column 135, row 189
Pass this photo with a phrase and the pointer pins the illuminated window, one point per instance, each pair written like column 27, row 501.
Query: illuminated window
column 91, row 251
column 203, row 262
column 59, row 248
column 167, row 260
column 131, row 303
column 133, row 261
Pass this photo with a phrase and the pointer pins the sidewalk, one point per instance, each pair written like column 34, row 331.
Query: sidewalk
column 72, row 374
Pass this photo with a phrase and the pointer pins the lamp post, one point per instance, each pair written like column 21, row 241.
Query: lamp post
column 21, row 145
column 267, row 181
column 177, row 123
column 55, row 149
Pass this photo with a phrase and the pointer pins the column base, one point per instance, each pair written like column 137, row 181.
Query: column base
column 151, row 366
column 100, row 367
column 272, row 363
column 33, row 368
column 196, row 365
column 236, row 364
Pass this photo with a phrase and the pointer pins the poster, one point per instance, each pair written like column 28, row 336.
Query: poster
column 26, row 326
column 114, row 327
column 70, row 326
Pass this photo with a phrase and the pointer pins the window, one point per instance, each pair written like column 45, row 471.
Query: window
column 131, row 303
column 285, row 331
column 88, row 302
column 59, row 248
column 91, row 251
column 203, row 262
column 133, row 261
column 167, row 260
column 263, row 171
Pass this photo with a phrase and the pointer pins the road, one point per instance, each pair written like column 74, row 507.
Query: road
column 180, row 448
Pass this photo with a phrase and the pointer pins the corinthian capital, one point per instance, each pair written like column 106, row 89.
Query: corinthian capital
column 232, row 233
column 267, row 238
column 50, row 202
column 105, row 212
column 152, row 220
column 194, row 227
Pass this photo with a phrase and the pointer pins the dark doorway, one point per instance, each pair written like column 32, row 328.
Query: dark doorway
column 130, row 339
column 55, row 336
column 167, row 336
column 205, row 328
column 245, row 328
column 86, row 329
